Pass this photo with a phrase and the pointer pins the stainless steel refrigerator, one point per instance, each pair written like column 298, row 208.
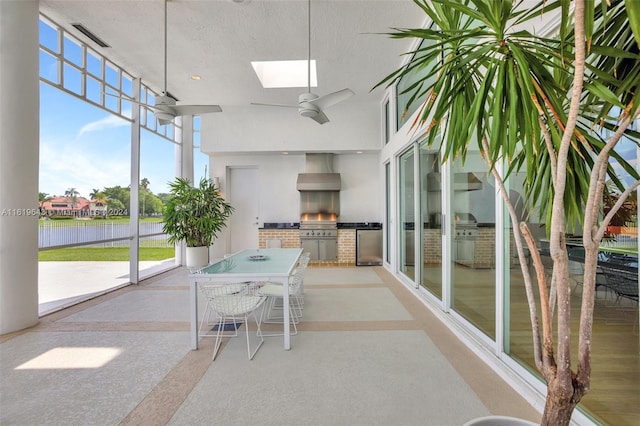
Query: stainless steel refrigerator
column 368, row 247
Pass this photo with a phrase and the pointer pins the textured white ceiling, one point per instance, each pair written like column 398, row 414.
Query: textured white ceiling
column 217, row 39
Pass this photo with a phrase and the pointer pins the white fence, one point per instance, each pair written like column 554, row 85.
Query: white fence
column 54, row 233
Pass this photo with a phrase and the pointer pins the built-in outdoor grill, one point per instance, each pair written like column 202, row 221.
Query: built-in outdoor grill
column 319, row 235
column 319, row 207
column 466, row 234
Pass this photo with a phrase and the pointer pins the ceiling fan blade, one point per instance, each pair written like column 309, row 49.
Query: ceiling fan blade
column 333, row 98
column 164, row 121
column 126, row 98
column 274, row 105
column 320, row 118
column 195, row 109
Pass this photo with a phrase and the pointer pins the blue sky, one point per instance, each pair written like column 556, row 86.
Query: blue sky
column 86, row 147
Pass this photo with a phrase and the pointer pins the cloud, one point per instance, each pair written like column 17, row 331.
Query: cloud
column 110, row 121
column 63, row 166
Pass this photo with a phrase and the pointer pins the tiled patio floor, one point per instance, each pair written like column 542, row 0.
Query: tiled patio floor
column 368, row 353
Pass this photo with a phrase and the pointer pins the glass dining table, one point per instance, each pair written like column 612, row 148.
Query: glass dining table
column 273, row 265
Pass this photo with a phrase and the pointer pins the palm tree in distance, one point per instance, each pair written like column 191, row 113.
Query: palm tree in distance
column 43, row 197
column 144, row 184
column 72, row 194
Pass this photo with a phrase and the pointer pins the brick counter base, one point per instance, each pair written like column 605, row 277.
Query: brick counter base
column 291, row 239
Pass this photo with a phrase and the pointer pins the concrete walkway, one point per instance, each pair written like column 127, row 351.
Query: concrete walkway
column 62, row 284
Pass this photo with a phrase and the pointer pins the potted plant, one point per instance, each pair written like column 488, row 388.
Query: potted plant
column 554, row 108
column 194, row 215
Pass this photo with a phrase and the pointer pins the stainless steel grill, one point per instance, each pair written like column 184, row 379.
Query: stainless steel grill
column 319, row 235
column 466, row 226
column 466, row 234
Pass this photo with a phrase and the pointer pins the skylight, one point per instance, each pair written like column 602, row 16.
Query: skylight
column 277, row 74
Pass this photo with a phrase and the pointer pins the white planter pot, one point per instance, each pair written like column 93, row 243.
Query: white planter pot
column 197, row 257
column 499, row 421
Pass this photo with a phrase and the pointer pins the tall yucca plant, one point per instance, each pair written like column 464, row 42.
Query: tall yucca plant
column 539, row 105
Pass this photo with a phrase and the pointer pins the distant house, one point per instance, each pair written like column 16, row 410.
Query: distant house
column 67, row 206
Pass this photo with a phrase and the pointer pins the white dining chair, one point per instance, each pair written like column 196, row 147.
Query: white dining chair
column 231, row 303
column 275, row 292
column 273, row 243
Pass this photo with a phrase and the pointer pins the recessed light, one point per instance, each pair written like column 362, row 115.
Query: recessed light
column 285, row 153
column 358, row 152
column 195, row 77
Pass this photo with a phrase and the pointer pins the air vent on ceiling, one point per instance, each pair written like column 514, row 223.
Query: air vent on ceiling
column 97, row 40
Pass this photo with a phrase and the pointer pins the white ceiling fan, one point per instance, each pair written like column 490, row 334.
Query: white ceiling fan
column 309, row 104
column 165, row 107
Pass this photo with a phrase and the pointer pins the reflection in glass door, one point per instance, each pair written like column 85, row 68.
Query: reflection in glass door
column 406, row 214
column 431, row 212
column 473, row 251
column 387, row 179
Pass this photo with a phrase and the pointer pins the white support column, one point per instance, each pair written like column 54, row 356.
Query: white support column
column 185, row 139
column 19, row 151
column 184, row 163
column 134, row 195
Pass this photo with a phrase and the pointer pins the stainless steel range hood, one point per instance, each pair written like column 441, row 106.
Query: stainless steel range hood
column 461, row 182
column 319, row 175
column 318, row 182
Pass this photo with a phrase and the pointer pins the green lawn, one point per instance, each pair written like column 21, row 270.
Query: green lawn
column 104, row 254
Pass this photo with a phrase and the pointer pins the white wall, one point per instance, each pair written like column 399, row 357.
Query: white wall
column 360, row 197
column 255, row 136
column 253, row 129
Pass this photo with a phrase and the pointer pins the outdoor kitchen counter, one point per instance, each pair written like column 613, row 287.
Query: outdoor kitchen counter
column 359, row 225
column 281, row 225
column 289, row 234
column 341, row 225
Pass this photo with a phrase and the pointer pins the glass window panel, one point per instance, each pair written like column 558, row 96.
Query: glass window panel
column 387, row 122
column 403, row 110
column 157, row 155
column 112, row 76
column 615, row 378
column 200, row 165
column 83, row 152
column 49, row 67
column 387, row 172
column 72, row 79
column 169, row 130
column 112, row 103
column 431, row 210
column 150, row 121
column 72, row 51
column 473, row 254
column 126, row 108
column 48, row 37
column 407, row 216
column 156, row 254
column 94, row 90
column 94, row 63
column 127, row 86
